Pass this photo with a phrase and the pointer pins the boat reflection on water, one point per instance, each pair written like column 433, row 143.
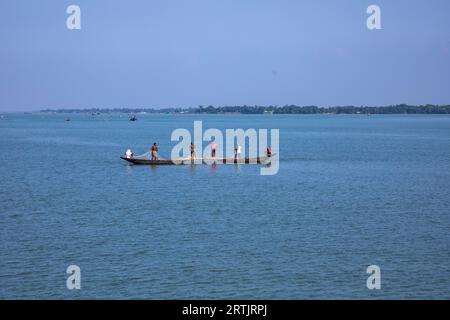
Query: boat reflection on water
column 193, row 167
column 129, row 168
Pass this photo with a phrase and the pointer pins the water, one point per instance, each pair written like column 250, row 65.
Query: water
column 352, row 191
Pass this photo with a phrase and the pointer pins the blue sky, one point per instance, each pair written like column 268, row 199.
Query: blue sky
column 222, row 52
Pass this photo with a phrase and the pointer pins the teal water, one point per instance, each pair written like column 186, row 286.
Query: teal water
column 352, row 191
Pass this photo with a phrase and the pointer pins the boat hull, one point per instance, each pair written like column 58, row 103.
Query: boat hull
column 258, row 160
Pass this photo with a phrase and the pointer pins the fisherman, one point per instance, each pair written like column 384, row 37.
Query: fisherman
column 154, row 151
column 129, row 154
column 269, row 152
column 213, row 149
column 192, row 150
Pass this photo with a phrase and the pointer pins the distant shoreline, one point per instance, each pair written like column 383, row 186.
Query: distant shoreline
column 288, row 109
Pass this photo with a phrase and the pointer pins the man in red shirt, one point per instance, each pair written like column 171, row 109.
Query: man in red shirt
column 213, row 149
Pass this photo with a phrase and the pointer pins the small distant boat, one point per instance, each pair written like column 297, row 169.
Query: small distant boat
column 67, row 119
column 133, row 118
column 258, row 160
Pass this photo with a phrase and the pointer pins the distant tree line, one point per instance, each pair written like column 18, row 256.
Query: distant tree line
column 287, row 109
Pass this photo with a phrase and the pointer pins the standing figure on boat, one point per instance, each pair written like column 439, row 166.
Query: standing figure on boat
column 192, row 150
column 238, row 151
column 154, row 151
column 213, row 149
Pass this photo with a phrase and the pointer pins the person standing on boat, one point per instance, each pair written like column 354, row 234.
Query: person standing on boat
column 154, row 151
column 192, row 150
column 213, row 149
column 269, row 152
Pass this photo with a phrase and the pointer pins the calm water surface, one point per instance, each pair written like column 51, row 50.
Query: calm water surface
column 351, row 191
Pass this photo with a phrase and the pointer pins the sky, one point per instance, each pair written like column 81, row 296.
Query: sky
column 178, row 53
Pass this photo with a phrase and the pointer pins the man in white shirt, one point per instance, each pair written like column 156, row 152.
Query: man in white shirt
column 129, row 153
column 238, row 151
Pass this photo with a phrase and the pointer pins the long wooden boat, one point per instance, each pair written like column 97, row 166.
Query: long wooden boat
column 258, row 160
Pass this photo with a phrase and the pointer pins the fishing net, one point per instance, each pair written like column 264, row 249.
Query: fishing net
column 146, row 156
